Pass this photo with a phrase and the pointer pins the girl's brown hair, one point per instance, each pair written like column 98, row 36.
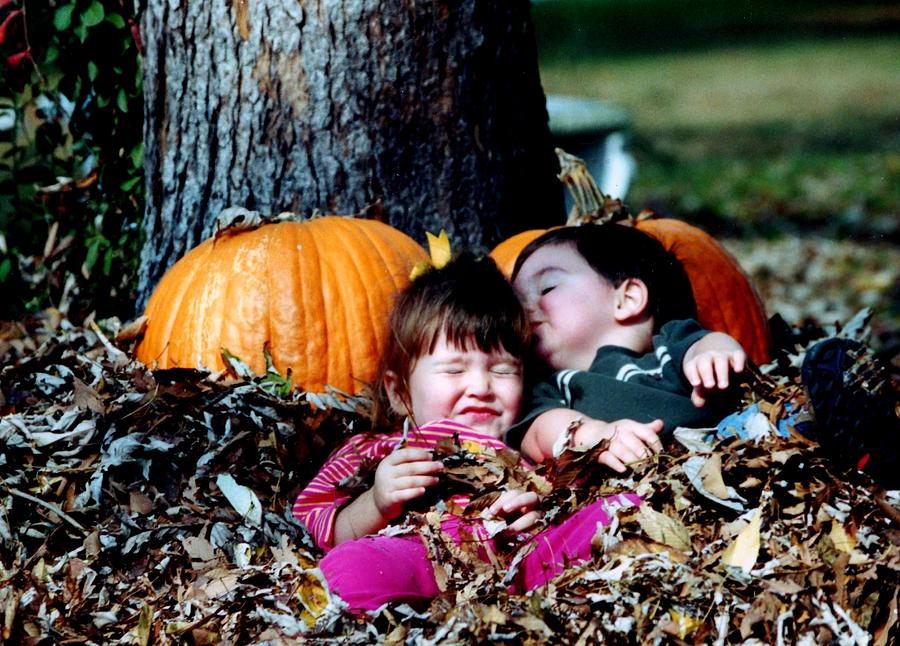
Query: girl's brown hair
column 469, row 300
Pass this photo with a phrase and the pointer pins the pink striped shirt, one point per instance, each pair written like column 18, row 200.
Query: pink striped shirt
column 318, row 504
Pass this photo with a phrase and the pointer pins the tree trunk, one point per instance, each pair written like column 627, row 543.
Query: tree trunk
column 430, row 112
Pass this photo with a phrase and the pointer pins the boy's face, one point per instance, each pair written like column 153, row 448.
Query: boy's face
column 480, row 389
column 570, row 306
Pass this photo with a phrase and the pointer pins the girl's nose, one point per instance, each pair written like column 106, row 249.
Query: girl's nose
column 479, row 383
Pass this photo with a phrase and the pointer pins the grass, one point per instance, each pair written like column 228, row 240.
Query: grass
column 748, row 85
column 575, row 28
column 760, row 138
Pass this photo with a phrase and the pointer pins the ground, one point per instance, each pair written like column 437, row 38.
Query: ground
column 152, row 508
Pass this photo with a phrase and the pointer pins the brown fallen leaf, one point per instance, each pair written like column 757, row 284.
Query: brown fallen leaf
column 664, row 529
column 711, row 477
column 744, row 549
column 638, row 546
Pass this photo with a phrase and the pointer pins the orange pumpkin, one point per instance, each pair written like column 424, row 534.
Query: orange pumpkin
column 505, row 253
column 726, row 299
column 317, row 292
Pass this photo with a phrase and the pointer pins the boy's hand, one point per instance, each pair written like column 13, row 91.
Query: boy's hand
column 629, row 441
column 708, row 364
column 402, row 476
column 710, row 370
column 515, row 502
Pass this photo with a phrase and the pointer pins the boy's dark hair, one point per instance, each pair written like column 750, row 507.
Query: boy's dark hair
column 469, row 300
column 617, row 252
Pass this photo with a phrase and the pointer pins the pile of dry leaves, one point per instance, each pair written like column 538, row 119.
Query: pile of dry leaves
column 140, row 507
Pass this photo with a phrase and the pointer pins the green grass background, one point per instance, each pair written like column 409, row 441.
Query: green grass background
column 749, row 118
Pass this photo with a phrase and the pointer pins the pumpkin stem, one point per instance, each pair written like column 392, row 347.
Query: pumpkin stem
column 591, row 205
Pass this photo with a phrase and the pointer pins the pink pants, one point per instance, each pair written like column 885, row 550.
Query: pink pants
column 374, row 570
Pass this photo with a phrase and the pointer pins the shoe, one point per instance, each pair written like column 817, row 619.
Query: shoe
column 854, row 403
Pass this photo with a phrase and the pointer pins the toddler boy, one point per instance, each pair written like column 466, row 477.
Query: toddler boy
column 612, row 314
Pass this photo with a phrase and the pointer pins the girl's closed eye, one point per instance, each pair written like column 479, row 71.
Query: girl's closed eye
column 450, row 368
column 507, row 368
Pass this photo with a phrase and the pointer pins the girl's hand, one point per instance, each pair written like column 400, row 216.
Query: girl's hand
column 402, row 476
column 516, row 503
column 629, row 441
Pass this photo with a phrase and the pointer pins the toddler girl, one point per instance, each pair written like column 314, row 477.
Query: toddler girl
column 452, row 367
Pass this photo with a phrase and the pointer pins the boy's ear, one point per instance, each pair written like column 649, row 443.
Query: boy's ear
column 631, row 299
column 394, row 390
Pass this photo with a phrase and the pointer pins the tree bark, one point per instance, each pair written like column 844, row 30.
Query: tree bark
column 430, row 112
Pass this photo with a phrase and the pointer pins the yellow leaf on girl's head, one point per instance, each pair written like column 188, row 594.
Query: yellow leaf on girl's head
column 419, row 268
column 438, row 248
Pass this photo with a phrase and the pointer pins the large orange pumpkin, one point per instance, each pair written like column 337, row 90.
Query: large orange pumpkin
column 505, row 253
column 317, row 292
column 726, row 299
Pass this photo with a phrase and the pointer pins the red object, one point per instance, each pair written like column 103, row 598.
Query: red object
column 7, row 21
column 136, row 35
column 863, row 461
column 15, row 60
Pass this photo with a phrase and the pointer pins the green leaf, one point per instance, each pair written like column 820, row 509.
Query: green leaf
column 115, row 19
column 52, row 54
column 127, row 185
column 81, row 32
column 107, row 262
column 137, row 154
column 102, row 101
column 92, row 70
column 93, row 15
column 90, row 257
column 5, row 268
column 122, row 100
column 35, row 303
column 274, row 382
column 62, row 19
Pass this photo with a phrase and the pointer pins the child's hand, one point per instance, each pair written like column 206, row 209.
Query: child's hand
column 515, row 502
column 709, row 362
column 629, row 441
column 710, row 370
column 403, row 476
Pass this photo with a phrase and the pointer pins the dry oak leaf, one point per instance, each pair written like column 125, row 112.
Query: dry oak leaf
column 664, row 529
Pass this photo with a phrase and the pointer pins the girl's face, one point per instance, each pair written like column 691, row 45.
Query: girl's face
column 570, row 306
column 482, row 390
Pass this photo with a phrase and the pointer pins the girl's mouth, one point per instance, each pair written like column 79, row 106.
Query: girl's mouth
column 479, row 413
